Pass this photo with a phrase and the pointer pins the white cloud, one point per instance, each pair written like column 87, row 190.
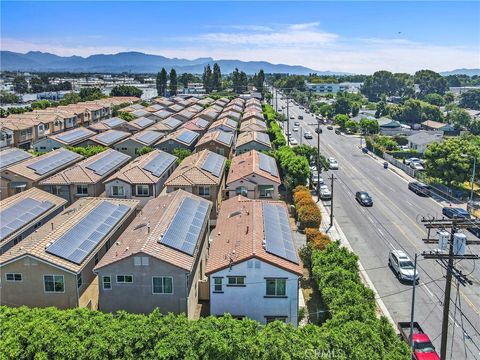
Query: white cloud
column 305, row 26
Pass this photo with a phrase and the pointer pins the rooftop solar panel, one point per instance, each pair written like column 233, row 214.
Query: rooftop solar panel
column 268, row 164
column 21, row 213
column 173, row 123
column 278, row 235
column 111, row 136
column 108, row 162
column 225, row 138
column 143, row 122
column 12, row 156
column 187, row 136
column 201, row 123
column 74, row 135
column 185, row 229
column 262, row 137
column 115, row 121
column 232, row 123
column 213, row 163
column 78, row 242
column 149, row 137
column 47, row 164
column 160, row 163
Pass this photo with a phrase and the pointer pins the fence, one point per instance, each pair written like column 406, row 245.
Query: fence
column 407, row 169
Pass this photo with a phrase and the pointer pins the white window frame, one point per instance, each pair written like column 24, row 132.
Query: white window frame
column 54, row 291
column 103, row 282
column 215, row 285
column 163, row 285
column 14, row 274
column 123, row 282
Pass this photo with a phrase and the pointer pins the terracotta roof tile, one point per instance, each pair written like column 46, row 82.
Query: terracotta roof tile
column 247, row 164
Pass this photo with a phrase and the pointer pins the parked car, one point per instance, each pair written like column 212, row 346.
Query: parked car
column 325, row 193
column 317, row 179
column 308, row 135
column 363, row 198
column 318, row 130
column 293, row 141
column 417, row 166
column 423, row 348
column 330, row 127
column 455, row 213
column 297, row 123
column 419, row 188
column 337, row 131
column 332, row 164
column 292, row 117
column 295, row 129
column 280, row 110
column 403, row 266
column 412, row 159
column 365, row 150
column 300, row 117
column 301, row 107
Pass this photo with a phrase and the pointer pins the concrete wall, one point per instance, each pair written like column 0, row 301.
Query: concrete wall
column 129, row 147
column 252, row 186
column 216, row 148
column 252, row 145
column 46, row 145
column 170, row 145
column 233, row 298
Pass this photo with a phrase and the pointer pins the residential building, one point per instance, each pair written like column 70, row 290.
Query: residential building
column 208, row 114
column 54, row 265
column 198, row 125
column 177, row 107
column 225, row 124
column 438, row 126
column 24, row 213
column 201, row 174
column 163, row 101
column 27, row 174
column 133, row 144
column 164, row 113
column 86, row 177
column 253, row 124
column 194, row 88
column 179, row 139
column 252, row 140
column 184, row 115
column 12, row 156
column 251, row 115
column 253, row 175
column 253, row 256
column 217, row 141
column 326, row 88
column 142, row 123
column 143, row 178
column 167, row 125
column 74, row 137
column 159, row 260
column 230, row 115
column 422, row 139
column 108, row 138
column 114, row 123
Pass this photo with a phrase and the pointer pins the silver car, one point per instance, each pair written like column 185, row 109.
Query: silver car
column 403, row 266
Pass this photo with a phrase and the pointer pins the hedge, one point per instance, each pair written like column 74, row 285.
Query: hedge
column 308, row 212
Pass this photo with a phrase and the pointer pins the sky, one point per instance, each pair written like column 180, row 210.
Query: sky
column 356, row 37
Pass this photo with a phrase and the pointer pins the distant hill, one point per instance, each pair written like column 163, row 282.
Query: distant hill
column 469, row 72
column 137, row 62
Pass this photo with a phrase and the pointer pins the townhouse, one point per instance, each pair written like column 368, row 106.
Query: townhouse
column 74, row 137
column 252, row 140
column 54, row 265
column 179, row 139
column 159, row 260
column 108, row 138
column 253, row 124
column 141, row 123
column 224, row 124
column 114, row 123
column 168, row 125
column 202, row 174
column 217, row 141
column 198, row 125
column 253, row 256
column 86, row 177
column 253, row 175
column 133, row 144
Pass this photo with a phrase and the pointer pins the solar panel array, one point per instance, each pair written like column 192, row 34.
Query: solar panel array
column 115, row 121
column 12, row 156
column 232, row 123
column 160, row 163
column 74, row 135
column 18, row 215
column 49, row 163
column 108, row 162
column 262, row 137
column 111, row 136
column 78, row 242
column 143, row 122
column 201, row 123
column 185, row 228
column 149, row 137
column 187, row 136
column 213, row 163
column 278, row 235
column 268, row 164
column 172, row 122
column 225, row 137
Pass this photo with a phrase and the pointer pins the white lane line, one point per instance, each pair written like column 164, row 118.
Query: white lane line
column 391, row 245
column 380, row 231
column 427, row 289
column 370, row 219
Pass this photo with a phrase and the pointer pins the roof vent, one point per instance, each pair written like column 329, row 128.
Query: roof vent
column 139, row 226
column 117, row 243
column 235, row 213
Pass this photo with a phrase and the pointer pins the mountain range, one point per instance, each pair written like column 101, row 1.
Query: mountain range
column 469, row 72
column 137, row 62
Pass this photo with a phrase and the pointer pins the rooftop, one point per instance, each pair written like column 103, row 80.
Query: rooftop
column 218, row 136
column 110, row 137
column 249, row 136
column 253, row 162
column 12, row 156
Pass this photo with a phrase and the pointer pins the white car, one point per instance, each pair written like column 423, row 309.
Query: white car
column 295, row 129
column 417, row 166
column 297, row 123
column 292, row 117
column 293, row 141
column 308, row 135
column 316, row 179
column 403, row 266
column 332, row 164
column 410, row 160
column 325, row 193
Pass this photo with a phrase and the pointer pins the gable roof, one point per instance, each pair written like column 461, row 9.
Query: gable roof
column 248, row 163
column 110, row 137
column 219, row 136
column 145, row 137
column 434, row 124
column 78, row 135
column 423, row 137
column 249, row 136
column 12, row 156
column 253, row 124
column 177, row 136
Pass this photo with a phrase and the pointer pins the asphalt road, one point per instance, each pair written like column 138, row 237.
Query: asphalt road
column 394, row 223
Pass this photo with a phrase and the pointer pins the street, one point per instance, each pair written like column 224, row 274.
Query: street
column 394, row 223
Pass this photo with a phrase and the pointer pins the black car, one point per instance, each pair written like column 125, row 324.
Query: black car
column 330, row 127
column 419, row 188
column 363, row 198
column 456, row 213
column 318, row 130
column 337, row 131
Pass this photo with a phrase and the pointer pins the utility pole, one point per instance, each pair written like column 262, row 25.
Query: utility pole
column 412, row 313
column 319, row 168
column 276, row 100
column 288, row 122
column 454, row 253
column 331, row 201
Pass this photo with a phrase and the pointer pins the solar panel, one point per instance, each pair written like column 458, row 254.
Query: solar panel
column 278, row 235
column 12, row 156
column 187, row 136
column 160, row 163
column 268, row 164
column 108, row 162
column 149, row 137
column 262, row 137
column 111, row 136
column 78, row 242
column 213, row 163
column 173, row 123
column 143, row 122
column 115, row 121
column 225, row 137
column 74, row 135
column 232, row 123
column 21, row 213
column 185, row 228
column 201, row 123
column 52, row 162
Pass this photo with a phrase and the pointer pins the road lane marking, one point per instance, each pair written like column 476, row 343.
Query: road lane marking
column 380, row 231
column 427, row 289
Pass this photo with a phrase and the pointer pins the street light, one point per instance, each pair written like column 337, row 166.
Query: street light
column 473, row 172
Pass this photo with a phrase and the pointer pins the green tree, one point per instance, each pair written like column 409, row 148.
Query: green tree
column 460, row 118
column 475, row 127
column 435, row 99
column 88, row 150
column 207, row 78
column 126, row 116
column 341, row 120
column 71, row 98
column 89, row 94
column 161, row 82
column 381, row 108
column 8, row 98
column 173, row 82
column 326, row 110
column 384, row 83
column 430, row 82
column 342, row 104
column 181, row 154
column 144, row 150
column 20, row 84
column 186, row 78
column 355, row 109
column 216, row 78
column 125, row 90
column 470, row 99
column 351, row 126
column 369, row 126
column 259, row 81
column 449, row 97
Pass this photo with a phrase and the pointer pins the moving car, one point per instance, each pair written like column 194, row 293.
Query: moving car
column 293, row 141
column 416, row 166
column 455, row 213
column 423, row 348
column 330, row 127
column 308, row 135
column 295, row 129
column 332, row 164
column 419, row 188
column 297, row 123
column 363, row 198
column 325, row 193
column 300, row 117
column 318, row 130
column 337, row 131
column 403, row 266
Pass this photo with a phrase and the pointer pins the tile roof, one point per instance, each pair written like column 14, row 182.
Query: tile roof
column 249, row 136
column 434, row 124
column 247, row 164
column 190, row 171
column 253, row 124
column 240, row 231
column 35, row 244
column 85, row 134
column 176, row 108
column 163, row 114
column 163, row 101
column 110, row 137
column 229, row 123
column 12, row 156
column 424, row 137
column 252, row 114
column 230, row 114
column 176, row 134
column 142, row 122
column 213, row 136
column 80, row 173
column 143, row 234
column 145, row 137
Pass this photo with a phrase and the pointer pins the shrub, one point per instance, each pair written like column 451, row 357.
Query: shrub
column 309, row 216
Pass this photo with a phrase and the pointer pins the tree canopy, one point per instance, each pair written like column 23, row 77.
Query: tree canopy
column 173, row 86
column 126, row 90
column 470, row 99
column 161, row 82
column 430, row 82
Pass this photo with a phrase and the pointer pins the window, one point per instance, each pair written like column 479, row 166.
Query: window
column 204, row 191
column 221, row 151
column 13, row 277
column 142, row 190
column 124, row 149
column 54, row 283
column 118, row 190
column 266, row 191
column 276, row 287
column 217, row 284
column 270, row 319
column 140, row 260
column 95, row 258
column 79, row 280
column 107, row 282
column 123, row 279
column 162, row 285
column 107, row 245
column 236, row 280
column 82, row 190
column 242, row 190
